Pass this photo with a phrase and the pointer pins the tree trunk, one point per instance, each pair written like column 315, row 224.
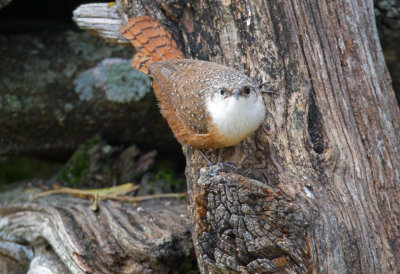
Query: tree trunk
column 316, row 188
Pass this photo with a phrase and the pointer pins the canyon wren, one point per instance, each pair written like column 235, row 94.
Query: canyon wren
column 207, row 105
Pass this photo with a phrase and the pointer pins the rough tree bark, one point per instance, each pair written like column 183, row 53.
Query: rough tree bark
column 316, row 188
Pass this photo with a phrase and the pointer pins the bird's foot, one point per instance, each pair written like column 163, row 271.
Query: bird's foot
column 224, row 165
column 227, row 164
column 205, row 158
column 227, row 167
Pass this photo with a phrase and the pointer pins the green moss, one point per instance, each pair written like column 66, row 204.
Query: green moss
column 10, row 102
column 188, row 265
column 18, row 168
column 171, row 178
column 96, row 164
column 78, row 165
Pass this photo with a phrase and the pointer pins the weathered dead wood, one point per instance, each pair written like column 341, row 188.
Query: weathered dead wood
column 102, row 19
column 329, row 145
column 62, row 234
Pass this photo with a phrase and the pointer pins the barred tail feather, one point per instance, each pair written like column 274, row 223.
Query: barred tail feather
column 151, row 40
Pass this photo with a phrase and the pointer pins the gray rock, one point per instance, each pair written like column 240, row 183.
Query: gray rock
column 59, row 88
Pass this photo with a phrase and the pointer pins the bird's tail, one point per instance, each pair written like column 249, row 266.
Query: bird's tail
column 152, row 42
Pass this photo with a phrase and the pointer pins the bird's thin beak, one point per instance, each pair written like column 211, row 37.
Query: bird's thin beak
column 269, row 91
column 236, row 92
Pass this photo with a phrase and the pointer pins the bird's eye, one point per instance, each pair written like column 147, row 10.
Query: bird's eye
column 222, row 91
column 246, row 90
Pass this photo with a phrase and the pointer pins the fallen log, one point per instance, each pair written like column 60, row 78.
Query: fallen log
column 62, row 234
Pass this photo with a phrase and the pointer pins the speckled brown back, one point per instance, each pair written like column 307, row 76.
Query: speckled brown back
column 185, row 84
column 181, row 90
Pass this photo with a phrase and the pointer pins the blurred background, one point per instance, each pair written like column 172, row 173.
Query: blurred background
column 74, row 113
column 72, row 110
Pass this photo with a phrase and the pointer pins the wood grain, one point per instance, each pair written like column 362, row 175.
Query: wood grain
column 61, row 234
column 329, row 143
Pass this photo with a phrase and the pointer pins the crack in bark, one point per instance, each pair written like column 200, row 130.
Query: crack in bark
column 315, row 129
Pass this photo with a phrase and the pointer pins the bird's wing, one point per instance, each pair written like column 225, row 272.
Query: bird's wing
column 181, row 88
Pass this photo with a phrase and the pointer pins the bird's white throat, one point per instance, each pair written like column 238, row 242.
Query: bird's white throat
column 236, row 118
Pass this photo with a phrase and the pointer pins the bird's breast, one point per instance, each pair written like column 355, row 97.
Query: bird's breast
column 236, row 119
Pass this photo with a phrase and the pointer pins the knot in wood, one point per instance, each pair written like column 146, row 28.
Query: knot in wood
column 250, row 227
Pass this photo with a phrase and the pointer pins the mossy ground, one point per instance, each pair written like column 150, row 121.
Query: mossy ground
column 97, row 164
column 170, row 178
column 91, row 166
column 23, row 168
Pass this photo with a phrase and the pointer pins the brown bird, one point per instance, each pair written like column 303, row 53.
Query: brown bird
column 207, row 105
